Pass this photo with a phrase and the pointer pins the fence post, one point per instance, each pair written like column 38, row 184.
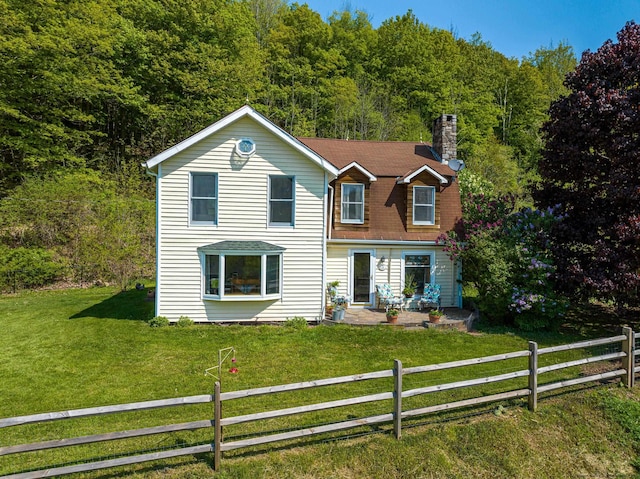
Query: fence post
column 629, row 346
column 397, row 398
column 217, row 428
column 533, row 376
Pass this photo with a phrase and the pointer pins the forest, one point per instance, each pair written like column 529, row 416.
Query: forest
column 91, row 88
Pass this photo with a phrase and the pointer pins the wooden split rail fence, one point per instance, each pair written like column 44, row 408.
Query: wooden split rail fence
column 626, row 356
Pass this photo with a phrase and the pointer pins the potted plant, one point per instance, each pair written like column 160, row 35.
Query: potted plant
column 409, row 287
column 338, row 313
column 392, row 315
column 330, row 310
column 435, row 315
column 332, row 288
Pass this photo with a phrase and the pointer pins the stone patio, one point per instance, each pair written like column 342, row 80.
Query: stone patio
column 454, row 318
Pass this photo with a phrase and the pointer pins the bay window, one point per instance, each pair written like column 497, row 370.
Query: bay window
column 241, row 270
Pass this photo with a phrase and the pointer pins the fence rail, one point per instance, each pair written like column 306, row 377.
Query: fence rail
column 397, row 393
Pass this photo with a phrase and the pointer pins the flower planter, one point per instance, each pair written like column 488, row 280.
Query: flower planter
column 338, row 314
column 392, row 319
column 434, row 319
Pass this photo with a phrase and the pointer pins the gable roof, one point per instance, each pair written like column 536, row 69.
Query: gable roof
column 394, row 165
column 380, row 158
column 361, row 169
column 427, row 168
column 245, row 111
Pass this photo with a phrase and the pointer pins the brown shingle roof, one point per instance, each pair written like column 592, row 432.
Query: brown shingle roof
column 382, row 158
column 388, row 160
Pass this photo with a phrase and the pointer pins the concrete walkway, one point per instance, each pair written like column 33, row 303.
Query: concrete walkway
column 454, row 318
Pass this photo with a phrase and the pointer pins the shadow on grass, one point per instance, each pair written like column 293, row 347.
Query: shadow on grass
column 584, row 321
column 131, row 304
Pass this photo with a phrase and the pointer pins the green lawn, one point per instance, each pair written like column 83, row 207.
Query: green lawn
column 71, row 349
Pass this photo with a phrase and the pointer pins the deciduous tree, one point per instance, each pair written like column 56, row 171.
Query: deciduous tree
column 591, row 170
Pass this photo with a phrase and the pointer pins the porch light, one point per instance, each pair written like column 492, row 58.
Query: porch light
column 381, row 264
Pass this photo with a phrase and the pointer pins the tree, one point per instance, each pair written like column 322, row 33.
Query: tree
column 591, row 170
column 95, row 226
column 508, row 266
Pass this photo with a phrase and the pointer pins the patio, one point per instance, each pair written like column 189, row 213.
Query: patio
column 454, row 318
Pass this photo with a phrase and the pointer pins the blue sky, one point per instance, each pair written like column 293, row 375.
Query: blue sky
column 513, row 27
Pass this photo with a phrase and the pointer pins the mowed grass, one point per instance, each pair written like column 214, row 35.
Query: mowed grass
column 69, row 349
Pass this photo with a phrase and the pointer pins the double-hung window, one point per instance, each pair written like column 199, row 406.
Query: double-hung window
column 424, row 205
column 242, row 271
column 204, row 198
column 417, row 269
column 352, row 203
column 281, row 200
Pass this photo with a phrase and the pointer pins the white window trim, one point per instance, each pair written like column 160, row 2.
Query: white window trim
column 433, row 206
column 245, row 154
column 191, row 198
column 342, row 209
column 293, row 203
column 263, row 296
column 432, row 265
column 372, row 272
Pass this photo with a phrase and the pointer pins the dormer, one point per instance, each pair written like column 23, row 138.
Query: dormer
column 352, row 197
column 423, row 188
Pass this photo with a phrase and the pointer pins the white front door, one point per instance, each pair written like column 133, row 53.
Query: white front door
column 361, row 277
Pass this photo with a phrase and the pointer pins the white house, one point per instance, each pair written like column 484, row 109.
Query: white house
column 252, row 223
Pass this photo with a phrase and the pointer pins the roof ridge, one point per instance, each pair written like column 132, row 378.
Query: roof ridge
column 302, row 138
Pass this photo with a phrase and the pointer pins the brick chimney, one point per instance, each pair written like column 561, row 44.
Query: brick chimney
column 444, row 137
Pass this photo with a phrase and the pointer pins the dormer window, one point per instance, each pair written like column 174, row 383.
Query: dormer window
column 424, row 202
column 352, row 203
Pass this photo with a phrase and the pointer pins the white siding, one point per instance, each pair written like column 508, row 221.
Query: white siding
column 445, row 272
column 242, row 215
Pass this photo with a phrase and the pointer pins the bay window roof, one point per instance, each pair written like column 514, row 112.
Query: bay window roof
column 235, row 246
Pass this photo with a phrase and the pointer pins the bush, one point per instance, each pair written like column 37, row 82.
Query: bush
column 184, row 322
column 506, row 257
column 27, row 268
column 159, row 322
column 297, row 322
column 102, row 224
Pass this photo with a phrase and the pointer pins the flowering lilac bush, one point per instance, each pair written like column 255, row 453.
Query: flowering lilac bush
column 506, row 257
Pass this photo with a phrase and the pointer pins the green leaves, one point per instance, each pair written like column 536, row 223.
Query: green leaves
column 590, row 168
column 100, row 228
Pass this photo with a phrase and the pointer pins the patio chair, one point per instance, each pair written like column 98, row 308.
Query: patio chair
column 385, row 296
column 430, row 296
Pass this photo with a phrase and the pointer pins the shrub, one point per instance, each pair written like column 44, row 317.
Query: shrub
column 297, row 322
column 507, row 258
column 27, row 267
column 184, row 322
column 159, row 322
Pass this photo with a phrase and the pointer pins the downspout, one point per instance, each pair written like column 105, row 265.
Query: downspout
column 325, row 232
column 149, row 172
column 330, row 210
column 459, row 283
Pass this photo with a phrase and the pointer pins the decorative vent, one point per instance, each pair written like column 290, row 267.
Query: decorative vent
column 245, row 147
